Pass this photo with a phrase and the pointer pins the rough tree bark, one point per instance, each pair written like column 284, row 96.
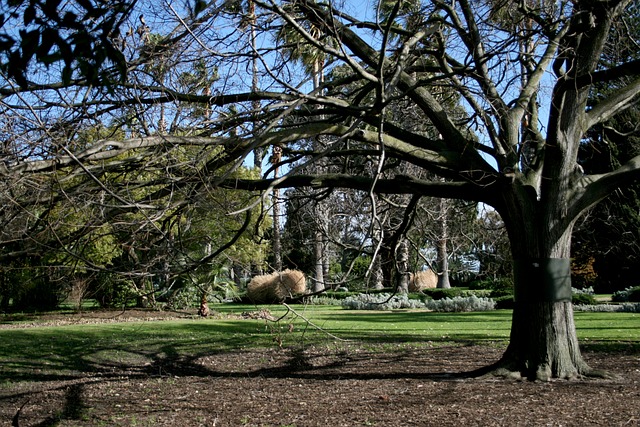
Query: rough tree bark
column 543, row 341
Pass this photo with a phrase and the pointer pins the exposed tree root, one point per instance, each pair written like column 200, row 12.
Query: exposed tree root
column 512, row 370
column 499, row 369
column 601, row 374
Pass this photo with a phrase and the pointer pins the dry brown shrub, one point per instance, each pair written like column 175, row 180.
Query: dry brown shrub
column 423, row 280
column 276, row 287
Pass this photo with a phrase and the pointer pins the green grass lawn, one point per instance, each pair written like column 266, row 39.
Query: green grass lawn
column 66, row 350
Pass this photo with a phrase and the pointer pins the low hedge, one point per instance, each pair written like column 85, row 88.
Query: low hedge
column 437, row 293
column 583, row 299
column 507, row 301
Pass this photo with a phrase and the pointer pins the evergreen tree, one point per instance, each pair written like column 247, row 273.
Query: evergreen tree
column 606, row 244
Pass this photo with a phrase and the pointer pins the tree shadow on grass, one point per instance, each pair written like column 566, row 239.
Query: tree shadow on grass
column 444, row 361
column 352, row 361
column 65, row 362
column 42, row 355
column 309, row 363
column 48, row 355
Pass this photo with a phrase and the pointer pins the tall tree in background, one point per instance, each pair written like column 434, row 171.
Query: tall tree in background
column 503, row 152
column 251, row 22
column 312, row 60
column 276, row 241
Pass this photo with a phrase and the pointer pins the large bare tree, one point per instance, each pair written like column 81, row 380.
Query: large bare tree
column 513, row 144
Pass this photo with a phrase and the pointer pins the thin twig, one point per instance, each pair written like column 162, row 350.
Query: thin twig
column 309, row 322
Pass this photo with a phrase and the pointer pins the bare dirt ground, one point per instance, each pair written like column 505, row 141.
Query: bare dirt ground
column 353, row 386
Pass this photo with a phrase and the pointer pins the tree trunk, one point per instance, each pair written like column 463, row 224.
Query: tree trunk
column 325, row 260
column 236, row 274
column 543, row 343
column 258, row 152
column 377, row 277
column 276, row 241
column 204, row 306
column 442, row 261
column 4, row 292
column 442, row 254
column 318, row 283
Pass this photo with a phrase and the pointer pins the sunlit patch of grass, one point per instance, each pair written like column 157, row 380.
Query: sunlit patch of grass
column 608, row 326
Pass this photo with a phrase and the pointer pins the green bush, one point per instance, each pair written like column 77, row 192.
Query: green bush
column 111, row 290
column 184, row 298
column 480, row 284
column 442, row 293
column 583, row 299
column 588, row 290
column 627, row 295
column 634, row 295
column 39, row 295
column 499, row 287
column 481, row 293
column 498, row 293
column 504, row 302
column 26, row 288
column 507, row 302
